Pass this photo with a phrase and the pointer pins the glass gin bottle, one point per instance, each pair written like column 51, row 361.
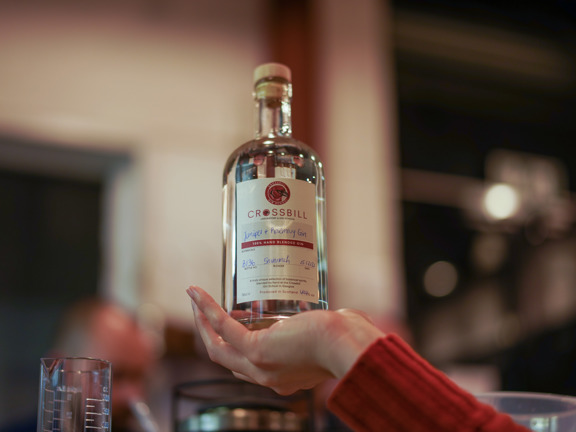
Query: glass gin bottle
column 274, row 212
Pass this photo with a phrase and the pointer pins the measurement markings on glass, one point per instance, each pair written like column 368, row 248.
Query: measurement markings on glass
column 48, row 411
column 62, row 409
column 96, row 414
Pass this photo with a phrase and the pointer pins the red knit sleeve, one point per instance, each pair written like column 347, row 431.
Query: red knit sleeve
column 391, row 388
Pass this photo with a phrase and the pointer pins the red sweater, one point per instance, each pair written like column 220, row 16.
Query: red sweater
column 391, row 388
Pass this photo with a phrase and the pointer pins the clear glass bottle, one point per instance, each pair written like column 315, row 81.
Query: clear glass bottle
column 274, row 215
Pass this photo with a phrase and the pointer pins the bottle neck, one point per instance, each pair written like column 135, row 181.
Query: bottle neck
column 273, row 111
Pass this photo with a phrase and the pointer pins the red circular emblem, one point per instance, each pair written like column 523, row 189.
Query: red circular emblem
column 277, row 193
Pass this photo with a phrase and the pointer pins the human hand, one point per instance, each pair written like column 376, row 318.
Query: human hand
column 296, row 353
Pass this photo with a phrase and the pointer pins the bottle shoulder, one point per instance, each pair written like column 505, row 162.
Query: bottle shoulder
column 268, row 146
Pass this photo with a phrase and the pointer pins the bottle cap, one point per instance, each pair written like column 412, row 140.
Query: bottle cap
column 272, row 70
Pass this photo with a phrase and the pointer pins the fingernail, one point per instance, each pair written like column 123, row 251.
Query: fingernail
column 192, row 293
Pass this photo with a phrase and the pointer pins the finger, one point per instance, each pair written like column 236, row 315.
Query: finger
column 226, row 327
column 207, row 333
column 219, row 350
column 209, row 336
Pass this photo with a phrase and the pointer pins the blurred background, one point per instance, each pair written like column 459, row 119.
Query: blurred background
column 446, row 128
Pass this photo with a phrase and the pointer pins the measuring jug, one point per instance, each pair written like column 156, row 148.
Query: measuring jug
column 74, row 395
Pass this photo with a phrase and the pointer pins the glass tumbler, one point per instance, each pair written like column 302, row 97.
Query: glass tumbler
column 540, row 412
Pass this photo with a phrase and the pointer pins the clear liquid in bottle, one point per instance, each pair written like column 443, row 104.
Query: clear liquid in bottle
column 274, row 212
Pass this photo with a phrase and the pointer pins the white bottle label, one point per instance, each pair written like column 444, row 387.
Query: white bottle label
column 276, row 248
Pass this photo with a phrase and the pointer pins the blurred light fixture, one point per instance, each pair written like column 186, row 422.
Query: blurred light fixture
column 440, row 279
column 504, row 55
column 501, row 201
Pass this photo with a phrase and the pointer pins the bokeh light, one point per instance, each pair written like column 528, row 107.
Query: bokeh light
column 501, row 201
column 440, row 279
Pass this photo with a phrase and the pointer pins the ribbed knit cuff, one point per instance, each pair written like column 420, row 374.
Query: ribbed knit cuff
column 391, row 388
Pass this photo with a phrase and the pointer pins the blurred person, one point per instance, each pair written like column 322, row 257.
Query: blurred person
column 384, row 384
column 99, row 329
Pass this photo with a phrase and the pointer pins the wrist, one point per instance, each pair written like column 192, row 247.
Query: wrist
column 346, row 339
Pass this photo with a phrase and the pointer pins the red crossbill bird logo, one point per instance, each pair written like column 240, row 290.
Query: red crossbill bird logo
column 277, row 193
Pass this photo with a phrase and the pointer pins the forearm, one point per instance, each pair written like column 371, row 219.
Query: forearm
column 391, row 388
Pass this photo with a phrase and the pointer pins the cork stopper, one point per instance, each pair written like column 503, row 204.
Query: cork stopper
column 272, row 70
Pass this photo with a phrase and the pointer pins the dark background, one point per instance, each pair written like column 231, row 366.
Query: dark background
column 452, row 114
